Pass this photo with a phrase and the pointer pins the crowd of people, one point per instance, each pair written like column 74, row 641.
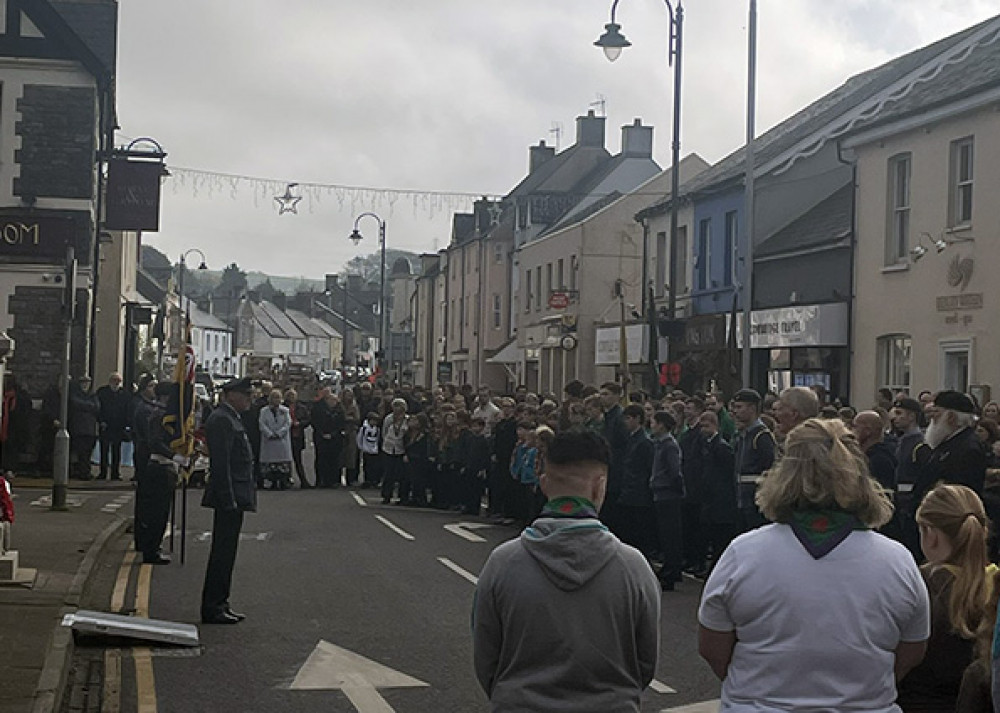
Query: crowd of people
column 786, row 504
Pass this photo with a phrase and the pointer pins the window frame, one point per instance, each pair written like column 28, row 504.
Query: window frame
column 732, row 243
column 959, row 185
column 888, row 349
column 704, row 253
column 898, row 209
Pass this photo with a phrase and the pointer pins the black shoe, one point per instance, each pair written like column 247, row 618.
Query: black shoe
column 236, row 615
column 666, row 586
column 116, row 477
column 219, row 618
column 158, row 558
column 385, row 501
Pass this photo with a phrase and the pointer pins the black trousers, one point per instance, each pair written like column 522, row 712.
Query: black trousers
column 154, row 493
column 501, row 486
column 638, row 526
column 297, row 447
column 669, row 532
column 327, row 464
column 393, row 472
column 694, row 537
column 373, row 469
column 111, row 451
column 226, row 526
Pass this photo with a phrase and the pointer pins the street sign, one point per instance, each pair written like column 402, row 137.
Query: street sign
column 331, row 668
column 559, row 300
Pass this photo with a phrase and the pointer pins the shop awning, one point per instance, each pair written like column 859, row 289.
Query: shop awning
column 509, row 353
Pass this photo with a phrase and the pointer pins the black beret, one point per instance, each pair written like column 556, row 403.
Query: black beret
column 244, row 385
column 908, row 404
column 747, row 396
column 954, row 401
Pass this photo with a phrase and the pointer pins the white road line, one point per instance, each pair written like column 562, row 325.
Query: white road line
column 661, row 687
column 464, row 574
column 703, row 707
column 462, row 530
column 359, row 500
column 399, row 531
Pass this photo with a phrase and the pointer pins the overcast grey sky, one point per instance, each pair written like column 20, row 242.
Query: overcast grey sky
column 447, row 95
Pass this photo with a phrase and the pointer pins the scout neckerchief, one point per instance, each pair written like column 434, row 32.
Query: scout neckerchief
column 820, row 531
column 571, row 507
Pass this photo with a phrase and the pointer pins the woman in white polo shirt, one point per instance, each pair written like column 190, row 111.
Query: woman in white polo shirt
column 816, row 611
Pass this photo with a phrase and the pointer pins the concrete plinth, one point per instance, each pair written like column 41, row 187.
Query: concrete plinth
column 8, row 566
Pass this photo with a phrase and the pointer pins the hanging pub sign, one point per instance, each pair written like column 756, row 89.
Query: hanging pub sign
column 27, row 235
column 133, row 196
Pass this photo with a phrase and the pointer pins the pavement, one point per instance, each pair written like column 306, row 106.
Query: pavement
column 63, row 548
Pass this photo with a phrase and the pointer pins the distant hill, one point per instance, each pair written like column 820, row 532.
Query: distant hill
column 160, row 268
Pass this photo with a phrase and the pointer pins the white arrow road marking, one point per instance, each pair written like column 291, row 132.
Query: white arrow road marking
column 207, row 536
column 703, row 707
column 464, row 574
column 660, row 687
column 330, row 668
column 359, row 500
column 399, row 531
column 462, row 530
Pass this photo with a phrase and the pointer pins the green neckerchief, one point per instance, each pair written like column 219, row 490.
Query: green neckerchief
column 569, row 506
column 820, row 531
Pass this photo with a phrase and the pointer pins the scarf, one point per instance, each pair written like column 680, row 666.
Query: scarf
column 571, row 507
column 820, row 531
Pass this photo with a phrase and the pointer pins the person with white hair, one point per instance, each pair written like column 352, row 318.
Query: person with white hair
column 956, row 454
column 795, row 405
column 394, row 429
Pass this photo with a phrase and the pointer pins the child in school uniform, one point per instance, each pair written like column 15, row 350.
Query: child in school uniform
column 368, row 444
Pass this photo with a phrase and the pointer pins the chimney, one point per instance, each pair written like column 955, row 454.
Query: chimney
column 280, row 301
column 590, row 130
column 484, row 214
column 355, row 283
column 637, row 140
column 332, row 282
column 537, row 155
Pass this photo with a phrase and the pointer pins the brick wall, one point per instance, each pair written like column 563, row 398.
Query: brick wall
column 39, row 337
column 58, row 130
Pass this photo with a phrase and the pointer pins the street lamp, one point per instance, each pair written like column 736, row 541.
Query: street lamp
column 612, row 42
column 180, row 282
column 357, row 237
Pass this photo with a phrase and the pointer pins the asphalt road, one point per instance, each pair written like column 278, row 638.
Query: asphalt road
column 318, row 566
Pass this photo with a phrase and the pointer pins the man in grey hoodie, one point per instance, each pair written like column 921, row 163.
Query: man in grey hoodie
column 566, row 617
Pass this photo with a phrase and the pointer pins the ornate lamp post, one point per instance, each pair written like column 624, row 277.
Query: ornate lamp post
column 180, row 283
column 613, row 42
column 357, row 237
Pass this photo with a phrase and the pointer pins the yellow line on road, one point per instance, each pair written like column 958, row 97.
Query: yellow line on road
column 145, row 682
column 111, row 701
column 121, row 584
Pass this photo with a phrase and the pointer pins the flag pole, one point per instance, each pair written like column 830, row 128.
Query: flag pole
column 184, row 471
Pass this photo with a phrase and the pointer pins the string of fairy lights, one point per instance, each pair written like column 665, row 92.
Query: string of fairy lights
column 288, row 197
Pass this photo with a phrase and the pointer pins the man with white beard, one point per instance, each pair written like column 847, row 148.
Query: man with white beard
column 956, row 455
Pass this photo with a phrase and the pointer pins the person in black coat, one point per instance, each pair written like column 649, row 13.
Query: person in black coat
column 475, row 466
column 230, row 491
column 417, row 459
column 719, row 512
column 328, row 423
column 635, row 499
column 667, row 482
column 690, row 441
column 869, row 430
column 956, row 455
column 300, row 421
column 83, row 426
column 504, row 442
column 114, row 401
column 617, row 435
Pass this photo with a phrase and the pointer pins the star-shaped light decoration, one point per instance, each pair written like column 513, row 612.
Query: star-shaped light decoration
column 288, row 202
column 495, row 210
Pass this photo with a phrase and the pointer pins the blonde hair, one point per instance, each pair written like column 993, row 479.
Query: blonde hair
column 823, row 468
column 958, row 513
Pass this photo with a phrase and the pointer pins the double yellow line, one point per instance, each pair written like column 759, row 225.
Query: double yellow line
column 145, row 682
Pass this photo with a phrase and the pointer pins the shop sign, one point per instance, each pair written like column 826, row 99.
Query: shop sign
column 35, row 236
column 444, row 372
column 807, row 326
column 950, row 303
column 133, row 195
column 705, row 332
column 608, row 345
column 558, row 300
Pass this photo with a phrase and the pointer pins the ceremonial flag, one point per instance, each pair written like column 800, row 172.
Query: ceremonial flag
column 179, row 418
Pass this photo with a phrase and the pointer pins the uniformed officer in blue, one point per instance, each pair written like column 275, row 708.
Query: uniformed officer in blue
column 230, row 491
column 754, row 454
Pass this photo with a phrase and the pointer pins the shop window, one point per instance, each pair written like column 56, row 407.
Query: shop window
column 893, row 361
column 704, row 252
column 732, row 226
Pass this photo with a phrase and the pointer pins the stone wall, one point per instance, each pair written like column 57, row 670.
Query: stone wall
column 58, row 142
column 39, row 337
